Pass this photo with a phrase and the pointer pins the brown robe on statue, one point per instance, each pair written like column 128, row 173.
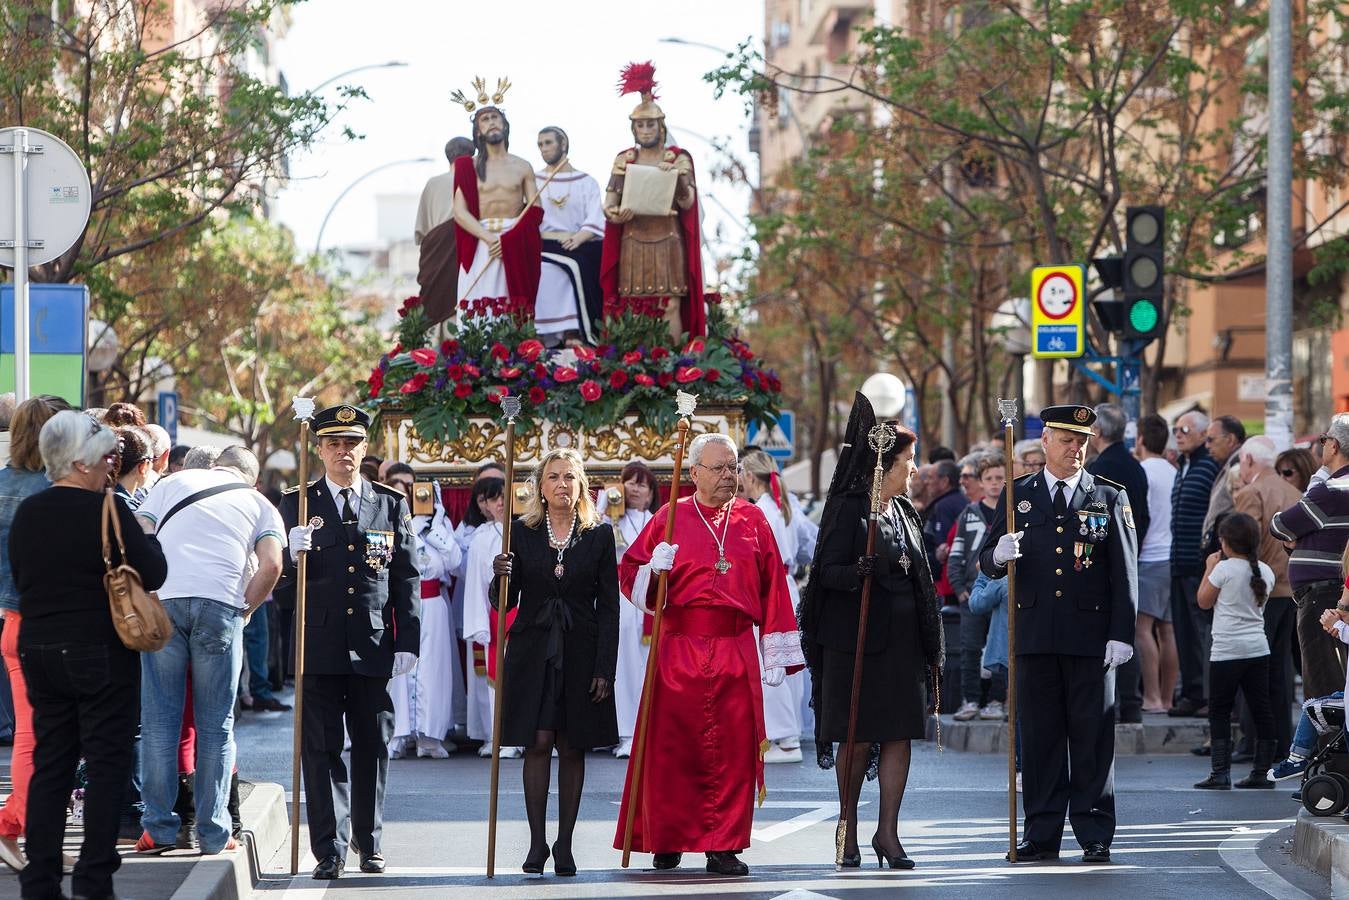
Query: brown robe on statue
column 438, row 272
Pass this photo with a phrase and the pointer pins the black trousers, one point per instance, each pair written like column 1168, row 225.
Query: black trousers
column 345, row 808
column 1066, row 708
column 86, row 702
column 1193, row 627
column 1252, row 676
column 1322, row 655
column 1280, row 624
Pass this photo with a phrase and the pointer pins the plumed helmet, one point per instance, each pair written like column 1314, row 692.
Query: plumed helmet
column 640, row 78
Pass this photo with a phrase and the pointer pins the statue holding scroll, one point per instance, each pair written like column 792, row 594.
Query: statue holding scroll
column 652, row 260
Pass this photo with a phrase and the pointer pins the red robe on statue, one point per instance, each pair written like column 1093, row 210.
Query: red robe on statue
column 705, row 738
column 521, row 245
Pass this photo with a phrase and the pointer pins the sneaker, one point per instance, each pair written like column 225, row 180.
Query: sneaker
column 147, row 844
column 993, row 712
column 777, row 754
column 968, row 710
column 398, row 748
column 430, row 748
column 792, row 743
column 510, row 752
column 11, row 854
column 1287, row 768
column 624, row 748
column 485, row 751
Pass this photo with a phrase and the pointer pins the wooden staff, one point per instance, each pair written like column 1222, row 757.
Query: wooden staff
column 685, row 404
column 1007, row 409
column 881, row 438
column 510, row 406
column 532, row 200
column 304, row 411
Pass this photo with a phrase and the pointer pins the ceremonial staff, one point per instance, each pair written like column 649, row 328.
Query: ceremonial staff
column 1007, row 410
column 510, row 407
column 685, row 404
column 880, row 438
column 304, row 411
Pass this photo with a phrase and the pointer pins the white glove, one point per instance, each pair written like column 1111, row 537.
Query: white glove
column 1117, row 653
column 663, row 557
column 301, row 538
column 773, row 675
column 1008, row 548
column 419, row 524
column 403, row 662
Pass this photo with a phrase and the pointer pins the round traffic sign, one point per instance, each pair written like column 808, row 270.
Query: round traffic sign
column 1056, row 296
column 58, row 197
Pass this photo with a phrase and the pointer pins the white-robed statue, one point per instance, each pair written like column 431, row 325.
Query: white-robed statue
column 569, row 301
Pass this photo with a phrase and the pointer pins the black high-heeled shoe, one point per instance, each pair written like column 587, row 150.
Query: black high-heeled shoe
column 899, row 861
column 852, row 860
column 534, row 865
column 563, row 865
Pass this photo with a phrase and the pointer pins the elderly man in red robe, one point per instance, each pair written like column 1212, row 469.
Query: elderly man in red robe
column 705, row 734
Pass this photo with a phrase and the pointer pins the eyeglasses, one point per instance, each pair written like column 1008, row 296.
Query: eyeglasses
column 721, row 470
column 1287, row 473
column 1321, row 440
column 1182, row 429
column 970, row 475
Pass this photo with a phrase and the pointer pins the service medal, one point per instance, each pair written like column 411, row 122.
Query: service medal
column 378, row 549
column 1023, row 507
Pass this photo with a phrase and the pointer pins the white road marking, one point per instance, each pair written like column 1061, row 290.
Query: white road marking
column 818, row 812
column 1238, row 853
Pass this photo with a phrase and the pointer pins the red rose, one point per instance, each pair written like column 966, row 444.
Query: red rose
column 499, row 351
column 644, row 380
column 512, row 372
column 617, row 379
column 415, row 383
column 685, row 374
column 632, row 357
column 448, row 347
column 563, row 374
column 540, row 371
column 664, row 378
column 748, row 381
column 424, row 357
column 529, row 350
column 695, row 346
column 659, row 353
column 463, row 389
column 711, row 375
column 585, row 354
column 376, row 381
column 590, row 391
column 455, row 372
column 471, row 370
column 774, row 384
column 536, row 396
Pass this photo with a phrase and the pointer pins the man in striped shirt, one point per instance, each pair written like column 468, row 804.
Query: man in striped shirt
column 1189, row 505
column 1317, row 527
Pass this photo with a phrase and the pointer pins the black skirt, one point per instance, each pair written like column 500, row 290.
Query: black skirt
column 892, row 704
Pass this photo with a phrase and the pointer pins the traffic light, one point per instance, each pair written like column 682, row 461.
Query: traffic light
column 1144, row 267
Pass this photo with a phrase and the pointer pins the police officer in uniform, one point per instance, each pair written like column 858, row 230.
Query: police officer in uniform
column 361, row 628
column 1076, row 595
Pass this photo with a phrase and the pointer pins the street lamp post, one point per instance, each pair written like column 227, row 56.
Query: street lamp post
column 318, row 242
column 391, row 64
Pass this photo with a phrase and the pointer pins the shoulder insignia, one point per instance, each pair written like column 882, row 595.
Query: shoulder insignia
column 1129, row 515
column 385, row 489
column 1101, row 479
column 291, row 490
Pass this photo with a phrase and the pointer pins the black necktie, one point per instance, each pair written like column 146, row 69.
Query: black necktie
column 348, row 514
column 1061, row 499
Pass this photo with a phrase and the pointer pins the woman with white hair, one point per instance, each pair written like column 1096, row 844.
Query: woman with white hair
column 84, row 684
column 563, row 646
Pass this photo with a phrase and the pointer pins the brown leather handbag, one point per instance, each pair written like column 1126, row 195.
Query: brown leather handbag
column 137, row 614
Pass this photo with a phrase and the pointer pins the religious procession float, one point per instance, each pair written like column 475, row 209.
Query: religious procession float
column 585, row 303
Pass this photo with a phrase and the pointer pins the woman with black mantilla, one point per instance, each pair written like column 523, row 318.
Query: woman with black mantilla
column 563, row 647
column 903, row 636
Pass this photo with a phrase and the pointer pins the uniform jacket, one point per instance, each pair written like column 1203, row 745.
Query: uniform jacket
column 1116, row 464
column 1060, row 609
column 362, row 603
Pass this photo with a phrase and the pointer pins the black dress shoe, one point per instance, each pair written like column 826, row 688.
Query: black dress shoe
column 564, row 863
column 330, row 868
column 271, row 704
column 1184, row 708
column 899, row 861
column 1095, row 852
column 533, row 864
column 1029, row 851
column 725, row 862
column 666, row 860
column 851, row 860
column 373, row 864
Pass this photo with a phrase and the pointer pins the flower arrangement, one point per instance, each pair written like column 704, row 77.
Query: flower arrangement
column 632, row 371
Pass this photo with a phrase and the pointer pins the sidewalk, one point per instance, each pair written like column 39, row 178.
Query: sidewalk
column 185, row 874
column 1156, row 734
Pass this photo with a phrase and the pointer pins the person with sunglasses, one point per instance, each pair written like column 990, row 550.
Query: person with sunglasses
column 698, row 785
column 1190, row 498
column 1318, row 528
column 1296, row 466
column 134, row 461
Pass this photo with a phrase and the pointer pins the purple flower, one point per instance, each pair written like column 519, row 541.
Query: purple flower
column 441, row 381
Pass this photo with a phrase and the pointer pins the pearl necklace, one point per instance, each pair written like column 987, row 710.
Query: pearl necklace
column 560, row 546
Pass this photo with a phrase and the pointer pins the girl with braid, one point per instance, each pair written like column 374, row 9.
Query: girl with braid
column 1235, row 586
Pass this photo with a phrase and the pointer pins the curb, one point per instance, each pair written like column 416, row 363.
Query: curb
column 232, row 876
column 1163, row 736
column 1322, row 845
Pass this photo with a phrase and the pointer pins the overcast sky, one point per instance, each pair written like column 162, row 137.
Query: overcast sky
column 563, row 60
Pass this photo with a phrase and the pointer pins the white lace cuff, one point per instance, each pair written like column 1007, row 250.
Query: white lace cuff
column 782, row 648
column 640, row 585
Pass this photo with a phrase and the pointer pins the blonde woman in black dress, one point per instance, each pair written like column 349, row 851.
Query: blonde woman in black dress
column 563, row 646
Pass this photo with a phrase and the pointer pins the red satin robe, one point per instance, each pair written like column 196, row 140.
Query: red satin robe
column 705, row 734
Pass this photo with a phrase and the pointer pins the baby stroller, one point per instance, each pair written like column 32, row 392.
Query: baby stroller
column 1325, row 783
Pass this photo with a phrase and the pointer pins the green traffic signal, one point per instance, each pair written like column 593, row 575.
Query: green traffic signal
column 1143, row 316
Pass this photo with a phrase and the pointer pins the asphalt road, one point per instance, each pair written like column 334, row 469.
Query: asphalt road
column 1173, row 841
